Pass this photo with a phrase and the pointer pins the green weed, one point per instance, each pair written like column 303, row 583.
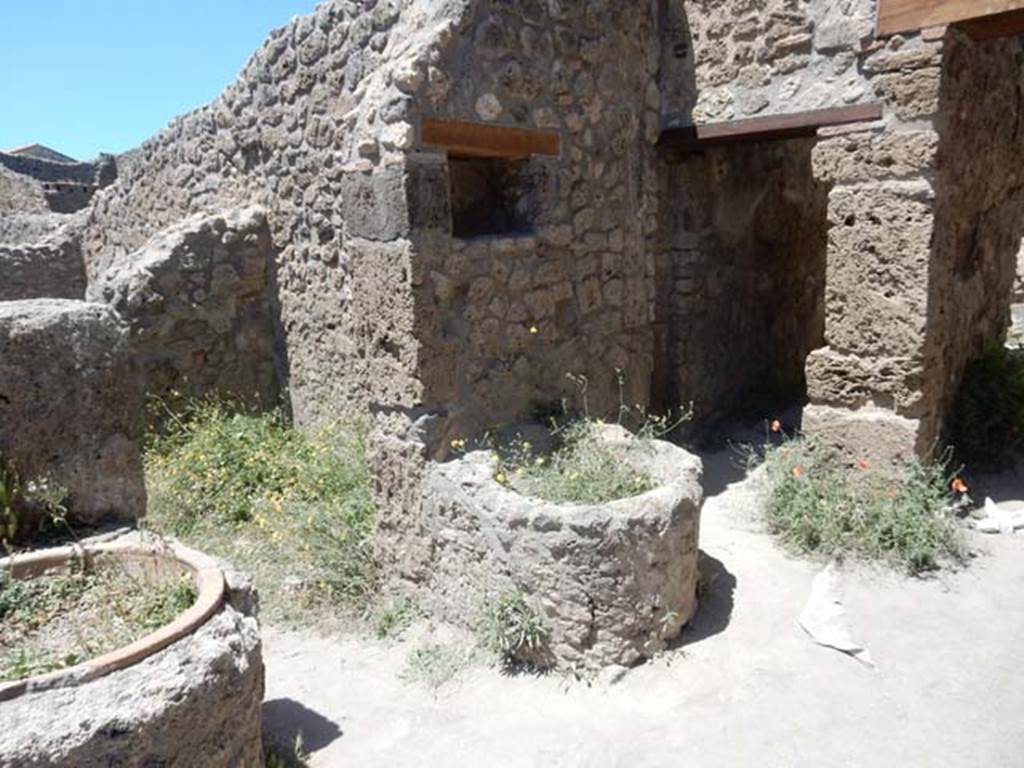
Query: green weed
column 434, row 664
column 511, row 627
column 277, row 755
column 583, row 468
column 393, row 618
column 903, row 517
column 290, row 508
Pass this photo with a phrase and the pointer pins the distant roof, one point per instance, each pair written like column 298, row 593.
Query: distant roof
column 39, row 152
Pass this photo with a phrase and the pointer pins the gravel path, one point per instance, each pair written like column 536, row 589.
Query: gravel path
column 746, row 688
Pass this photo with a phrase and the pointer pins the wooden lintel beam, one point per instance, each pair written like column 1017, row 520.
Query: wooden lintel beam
column 913, row 15
column 991, row 27
column 795, row 125
column 467, row 139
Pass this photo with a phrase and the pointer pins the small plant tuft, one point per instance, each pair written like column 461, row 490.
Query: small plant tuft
column 28, row 507
column 512, row 627
column 393, row 618
column 280, row 755
column 434, row 664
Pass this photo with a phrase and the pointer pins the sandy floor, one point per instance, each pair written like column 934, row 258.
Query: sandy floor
column 747, row 687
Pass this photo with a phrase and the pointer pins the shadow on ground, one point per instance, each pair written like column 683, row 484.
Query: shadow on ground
column 716, row 598
column 284, row 719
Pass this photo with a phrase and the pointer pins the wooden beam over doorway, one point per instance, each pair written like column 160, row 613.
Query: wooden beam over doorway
column 795, row 125
column 467, row 139
column 913, row 15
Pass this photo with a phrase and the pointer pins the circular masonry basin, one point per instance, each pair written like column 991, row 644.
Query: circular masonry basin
column 186, row 694
column 612, row 582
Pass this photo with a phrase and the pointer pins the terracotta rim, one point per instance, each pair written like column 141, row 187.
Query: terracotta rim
column 210, row 588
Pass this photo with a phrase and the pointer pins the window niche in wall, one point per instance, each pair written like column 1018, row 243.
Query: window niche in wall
column 497, row 174
column 488, row 196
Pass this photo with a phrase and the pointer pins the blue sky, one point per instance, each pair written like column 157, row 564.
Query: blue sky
column 90, row 76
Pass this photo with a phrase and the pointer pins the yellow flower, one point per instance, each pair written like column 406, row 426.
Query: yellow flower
column 500, row 477
column 534, row 330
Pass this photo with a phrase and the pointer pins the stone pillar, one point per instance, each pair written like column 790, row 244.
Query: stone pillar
column 925, row 224
column 870, row 388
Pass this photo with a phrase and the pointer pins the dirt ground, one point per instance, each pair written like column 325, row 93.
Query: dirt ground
column 746, row 687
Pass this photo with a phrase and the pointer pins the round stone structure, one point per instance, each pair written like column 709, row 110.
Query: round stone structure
column 188, row 695
column 613, row 582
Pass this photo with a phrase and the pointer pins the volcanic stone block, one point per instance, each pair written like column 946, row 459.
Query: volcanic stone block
column 71, row 405
column 198, row 306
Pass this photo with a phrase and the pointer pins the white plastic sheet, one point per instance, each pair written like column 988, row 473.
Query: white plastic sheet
column 824, row 617
column 998, row 520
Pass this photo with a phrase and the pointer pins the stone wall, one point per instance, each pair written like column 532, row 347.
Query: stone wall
column 925, row 227
column 199, row 304
column 71, row 405
column 979, row 206
column 52, row 268
column 729, row 59
column 66, row 187
column 741, row 279
column 502, row 319
column 312, row 130
column 20, row 194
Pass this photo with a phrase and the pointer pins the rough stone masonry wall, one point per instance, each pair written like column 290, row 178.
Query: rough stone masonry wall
column 908, row 195
column 870, row 387
column 52, row 268
column 924, row 230
column 979, row 210
column 502, row 319
column 322, row 103
column 741, row 251
column 66, row 187
column 199, row 306
column 742, row 282
column 729, row 59
column 20, row 194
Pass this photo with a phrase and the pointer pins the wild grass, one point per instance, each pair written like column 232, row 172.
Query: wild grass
column 390, row 619
column 511, row 627
column 58, row 620
column 434, row 664
column 583, row 468
column 902, row 517
column 290, row 508
column 986, row 425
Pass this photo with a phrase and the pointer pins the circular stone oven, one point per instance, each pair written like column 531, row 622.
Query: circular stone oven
column 612, row 582
column 187, row 695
